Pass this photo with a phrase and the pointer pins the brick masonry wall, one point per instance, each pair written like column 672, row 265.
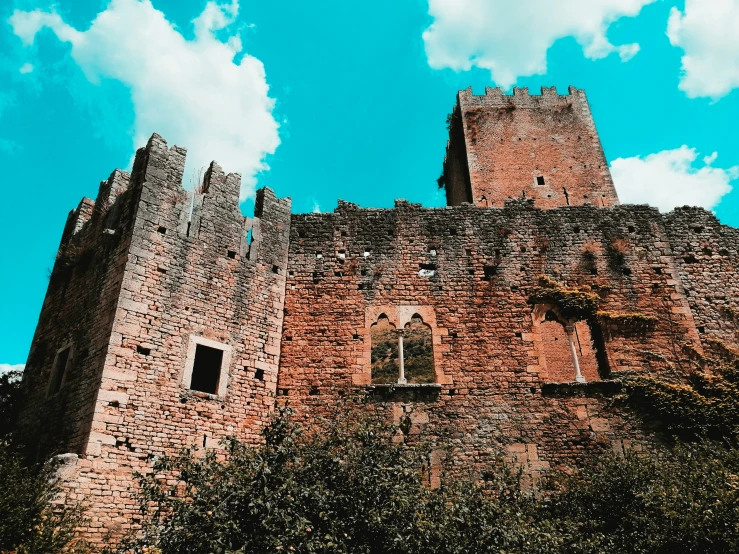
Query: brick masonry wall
column 509, row 141
column 707, row 262
column 354, row 262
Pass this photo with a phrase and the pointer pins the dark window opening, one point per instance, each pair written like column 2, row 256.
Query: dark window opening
column 626, row 271
column 162, row 230
column 519, row 335
column 490, row 271
column 313, row 391
column 206, row 369
column 231, row 254
column 701, row 329
column 275, row 269
column 144, row 351
column 259, row 374
column 631, row 228
column 540, row 180
column 58, row 371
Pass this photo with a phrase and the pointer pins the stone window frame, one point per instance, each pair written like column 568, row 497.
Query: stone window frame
column 399, row 316
column 223, row 378
column 67, row 346
column 538, row 315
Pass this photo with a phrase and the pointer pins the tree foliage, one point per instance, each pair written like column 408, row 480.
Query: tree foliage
column 355, row 488
column 30, row 521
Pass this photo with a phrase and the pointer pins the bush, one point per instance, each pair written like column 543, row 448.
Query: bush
column 30, row 523
column 355, row 488
column 351, row 488
column 685, row 501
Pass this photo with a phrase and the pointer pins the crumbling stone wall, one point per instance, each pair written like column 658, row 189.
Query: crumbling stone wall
column 544, row 147
column 707, row 262
column 473, row 268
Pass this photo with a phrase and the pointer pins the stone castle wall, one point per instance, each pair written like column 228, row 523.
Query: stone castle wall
column 149, row 273
column 468, row 272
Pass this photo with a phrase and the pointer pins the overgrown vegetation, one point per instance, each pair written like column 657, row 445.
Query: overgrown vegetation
column 572, row 303
column 356, row 488
column 701, row 401
column 30, row 521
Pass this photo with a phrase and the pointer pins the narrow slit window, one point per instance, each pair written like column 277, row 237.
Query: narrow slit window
column 206, row 369
column 58, row 370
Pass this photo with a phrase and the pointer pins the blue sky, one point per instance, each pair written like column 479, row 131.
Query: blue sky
column 337, row 99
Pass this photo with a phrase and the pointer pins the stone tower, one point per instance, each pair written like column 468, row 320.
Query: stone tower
column 541, row 147
column 160, row 328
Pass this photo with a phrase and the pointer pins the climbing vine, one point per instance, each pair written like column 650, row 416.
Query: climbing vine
column 572, row 303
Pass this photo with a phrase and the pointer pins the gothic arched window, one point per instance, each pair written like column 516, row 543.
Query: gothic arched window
column 402, row 356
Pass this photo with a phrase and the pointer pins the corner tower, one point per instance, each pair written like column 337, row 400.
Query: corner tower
column 541, row 147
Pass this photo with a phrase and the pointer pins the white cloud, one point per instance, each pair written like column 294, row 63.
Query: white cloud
column 672, row 178
column 511, row 39
column 192, row 92
column 7, row 368
column 26, row 68
column 707, row 33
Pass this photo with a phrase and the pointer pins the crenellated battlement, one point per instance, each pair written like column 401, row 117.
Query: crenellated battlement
column 521, row 98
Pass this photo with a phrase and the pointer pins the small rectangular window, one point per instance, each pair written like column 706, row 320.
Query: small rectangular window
column 540, row 180
column 58, row 370
column 206, row 369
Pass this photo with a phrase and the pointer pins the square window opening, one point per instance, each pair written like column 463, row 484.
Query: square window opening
column 206, row 369
column 540, row 180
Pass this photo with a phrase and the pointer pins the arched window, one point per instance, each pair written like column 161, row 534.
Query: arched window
column 418, row 351
column 385, row 354
column 402, row 356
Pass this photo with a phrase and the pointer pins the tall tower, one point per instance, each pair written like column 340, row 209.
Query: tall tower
column 541, row 147
column 160, row 328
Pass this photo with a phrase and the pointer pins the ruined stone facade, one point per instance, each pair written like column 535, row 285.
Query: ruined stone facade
column 172, row 320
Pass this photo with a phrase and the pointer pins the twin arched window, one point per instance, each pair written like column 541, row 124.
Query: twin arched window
column 402, row 355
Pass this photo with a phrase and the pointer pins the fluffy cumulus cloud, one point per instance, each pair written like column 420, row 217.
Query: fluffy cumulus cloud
column 672, row 178
column 7, row 368
column 511, row 39
column 205, row 94
column 707, row 33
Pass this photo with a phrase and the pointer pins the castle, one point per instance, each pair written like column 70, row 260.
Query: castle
column 172, row 320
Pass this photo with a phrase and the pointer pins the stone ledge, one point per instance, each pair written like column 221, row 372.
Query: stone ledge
column 412, row 392
column 594, row 388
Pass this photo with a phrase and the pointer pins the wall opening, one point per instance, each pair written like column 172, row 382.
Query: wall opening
column 540, row 180
column 402, row 356
column 58, row 371
column 558, row 339
column 418, row 351
column 206, row 369
column 385, row 354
